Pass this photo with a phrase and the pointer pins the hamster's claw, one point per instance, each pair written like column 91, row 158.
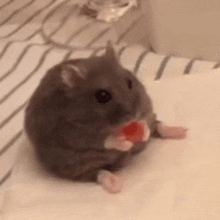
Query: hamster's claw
column 109, row 181
column 172, row 132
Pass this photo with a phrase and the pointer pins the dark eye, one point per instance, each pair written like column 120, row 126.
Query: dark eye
column 103, row 96
column 129, row 82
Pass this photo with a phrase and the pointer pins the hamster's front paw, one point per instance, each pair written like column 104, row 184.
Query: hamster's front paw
column 118, row 143
column 172, row 132
column 146, row 134
column 109, row 181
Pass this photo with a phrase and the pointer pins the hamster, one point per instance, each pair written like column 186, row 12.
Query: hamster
column 74, row 112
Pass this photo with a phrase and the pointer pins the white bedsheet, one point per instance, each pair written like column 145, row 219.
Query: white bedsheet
column 169, row 180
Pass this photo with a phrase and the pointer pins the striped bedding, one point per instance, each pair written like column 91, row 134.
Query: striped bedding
column 32, row 40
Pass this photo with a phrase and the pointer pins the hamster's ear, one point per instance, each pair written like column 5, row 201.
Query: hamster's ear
column 110, row 52
column 73, row 75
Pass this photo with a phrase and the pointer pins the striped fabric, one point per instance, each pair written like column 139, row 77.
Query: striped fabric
column 25, row 56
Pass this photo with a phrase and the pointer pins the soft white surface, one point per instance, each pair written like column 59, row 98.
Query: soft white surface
column 169, row 180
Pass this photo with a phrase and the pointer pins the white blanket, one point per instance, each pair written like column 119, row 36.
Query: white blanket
column 169, row 180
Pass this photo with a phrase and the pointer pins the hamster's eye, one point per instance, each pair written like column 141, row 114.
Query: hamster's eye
column 103, row 96
column 129, row 83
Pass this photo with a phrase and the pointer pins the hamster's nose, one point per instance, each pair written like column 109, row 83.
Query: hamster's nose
column 129, row 109
column 125, row 109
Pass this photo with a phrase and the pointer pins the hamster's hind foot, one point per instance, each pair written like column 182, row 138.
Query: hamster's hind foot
column 172, row 132
column 109, row 181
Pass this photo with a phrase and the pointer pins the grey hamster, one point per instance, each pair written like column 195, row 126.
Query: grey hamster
column 77, row 106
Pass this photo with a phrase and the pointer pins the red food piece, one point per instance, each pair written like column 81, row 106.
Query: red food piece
column 133, row 132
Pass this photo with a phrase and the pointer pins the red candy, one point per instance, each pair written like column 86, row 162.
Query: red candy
column 133, row 132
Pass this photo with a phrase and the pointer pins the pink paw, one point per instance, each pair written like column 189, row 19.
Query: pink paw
column 172, row 132
column 118, row 143
column 110, row 182
column 146, row 134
